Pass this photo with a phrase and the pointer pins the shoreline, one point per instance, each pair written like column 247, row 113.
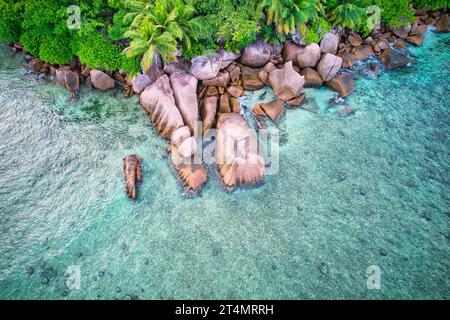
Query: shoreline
column 208, row 87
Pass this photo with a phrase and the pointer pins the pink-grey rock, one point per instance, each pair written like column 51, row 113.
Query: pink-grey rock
column 206, row 67
column 101, row 80
column 286, row 83
column 329, row 66
column 309, row 56
column 184, row 88
column 157, row 99
column 329, row 43
column 256, row 55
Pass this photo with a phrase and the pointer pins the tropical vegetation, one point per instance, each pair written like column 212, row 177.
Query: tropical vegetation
column 128, row 34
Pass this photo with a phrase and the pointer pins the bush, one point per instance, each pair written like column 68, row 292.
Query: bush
column 10, row 20
column 431, row 4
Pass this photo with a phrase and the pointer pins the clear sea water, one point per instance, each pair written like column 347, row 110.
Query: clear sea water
column 371, row 189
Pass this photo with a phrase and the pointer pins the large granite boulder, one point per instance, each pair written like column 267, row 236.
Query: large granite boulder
column 329, row 43
column 68, row 79
column 205, row 68
column 132, row 168
column 309, row 56
column 329, row 66
column 257, row 54
column 184, row 88
column 191, row 171
column 101, row 80
column 140, row 82
column 237, row 153
column 286, row 83
column 312, row 78
column 250, row 79
column 157, row 99
column 343, row 84
column 393, row 59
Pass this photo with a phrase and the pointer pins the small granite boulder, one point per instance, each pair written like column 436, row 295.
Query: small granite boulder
column 101, row 80
column 205, row 68
column 256, row 55
column 286, row 83
column 329, row 43
column 68, row 79
column 343, row 84
column 140, row 82
column 312, row 78
column 309, row 56
column 329, row 66
column 393, row 59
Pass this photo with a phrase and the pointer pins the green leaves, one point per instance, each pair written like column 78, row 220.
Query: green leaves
column 159, row 28
column 290, row 16
column 348, row 16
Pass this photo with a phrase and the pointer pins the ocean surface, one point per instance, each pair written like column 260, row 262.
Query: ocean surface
column 352, row 192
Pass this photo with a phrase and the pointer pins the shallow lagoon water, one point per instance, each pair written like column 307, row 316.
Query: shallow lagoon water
column 371, row 189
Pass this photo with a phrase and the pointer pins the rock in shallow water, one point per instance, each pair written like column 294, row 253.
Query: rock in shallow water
column 132, row 167
column 237, row 154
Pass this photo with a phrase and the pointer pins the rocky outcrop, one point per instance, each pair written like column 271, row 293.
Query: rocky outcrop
column 250, row 79
column 101, row 80
column 343, row 84
column 156, row 68
column 393, row 59
column 312, row 78
column 205, row 68
column 329, row 66
column 309, row 56
column 157, row 99
column 286, row 83
column 68, row 79
column 273, row 109
column 184, row 88
column 329, row 43
column 140, row 82
column 132, row 168
column 256, row 55
column 237, row 155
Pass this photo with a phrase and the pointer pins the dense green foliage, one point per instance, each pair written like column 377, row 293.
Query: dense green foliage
column 143, row 28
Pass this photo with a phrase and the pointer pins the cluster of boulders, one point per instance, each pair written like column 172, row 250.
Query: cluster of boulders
column 72, row 75
column 181, row 94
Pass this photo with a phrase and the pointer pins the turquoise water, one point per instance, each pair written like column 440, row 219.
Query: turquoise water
column 370, row 189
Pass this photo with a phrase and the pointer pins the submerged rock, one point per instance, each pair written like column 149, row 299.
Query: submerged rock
column 393, row 59
column 312, row 78
column 132, row 167
column 274, row 109
column 237, row 156
column 157, row 99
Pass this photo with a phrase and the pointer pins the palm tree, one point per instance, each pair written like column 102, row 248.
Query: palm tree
column 137, row 10
column 159, row 28
column 348, row 15
column 288, row 16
